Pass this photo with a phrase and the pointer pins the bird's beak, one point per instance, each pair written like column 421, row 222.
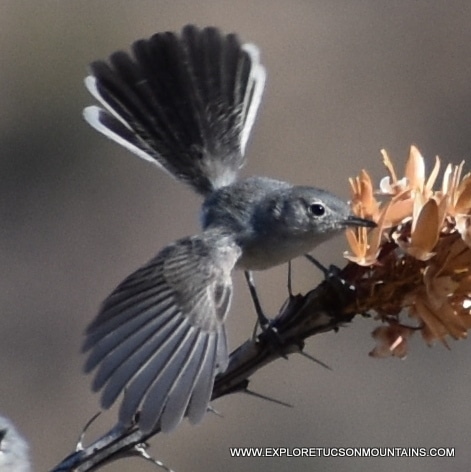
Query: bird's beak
column 353, row 220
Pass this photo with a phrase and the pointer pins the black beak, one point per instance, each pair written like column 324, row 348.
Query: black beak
column 357, row 221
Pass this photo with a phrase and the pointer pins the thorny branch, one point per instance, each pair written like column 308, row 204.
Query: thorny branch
column 323, row 309
column 413, row 270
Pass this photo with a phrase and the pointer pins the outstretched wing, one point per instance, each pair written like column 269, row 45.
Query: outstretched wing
column 185, row 102
column 160, row 336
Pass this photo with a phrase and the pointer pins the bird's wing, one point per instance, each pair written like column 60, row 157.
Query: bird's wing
column 160, row 336
column 184, row 102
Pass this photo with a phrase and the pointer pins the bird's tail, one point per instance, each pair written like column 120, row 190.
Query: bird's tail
column 184, row 102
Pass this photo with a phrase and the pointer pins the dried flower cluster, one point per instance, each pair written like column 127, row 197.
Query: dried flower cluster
column 418, row 259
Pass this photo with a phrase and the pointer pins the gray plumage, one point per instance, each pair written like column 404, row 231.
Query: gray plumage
column 164, row 338
column 187, row 103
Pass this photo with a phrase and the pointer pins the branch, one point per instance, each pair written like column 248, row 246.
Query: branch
column 415, row 264
column 323, row 309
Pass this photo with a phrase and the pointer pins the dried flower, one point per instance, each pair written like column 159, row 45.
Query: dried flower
column 391, row 340
column 419, row 256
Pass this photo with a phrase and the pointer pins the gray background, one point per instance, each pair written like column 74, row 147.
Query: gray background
column 78, row 213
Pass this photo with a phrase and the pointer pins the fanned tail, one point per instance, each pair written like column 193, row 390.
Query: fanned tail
column 184, row 102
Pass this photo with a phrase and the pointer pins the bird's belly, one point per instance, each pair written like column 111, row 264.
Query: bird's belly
column 270, row 254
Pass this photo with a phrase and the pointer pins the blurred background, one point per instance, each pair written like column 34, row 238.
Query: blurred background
column 78, row 214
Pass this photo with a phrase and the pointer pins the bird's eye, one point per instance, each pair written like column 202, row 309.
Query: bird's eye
column 317, row 209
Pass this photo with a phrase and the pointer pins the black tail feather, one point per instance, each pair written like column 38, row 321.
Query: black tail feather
column 185, row 102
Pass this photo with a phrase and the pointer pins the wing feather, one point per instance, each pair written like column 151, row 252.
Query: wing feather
column 160, row 338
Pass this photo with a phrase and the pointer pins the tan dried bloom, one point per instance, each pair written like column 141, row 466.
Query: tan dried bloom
column 391, row 340
column 363, row 201
column 419, row 256
column 364, row 244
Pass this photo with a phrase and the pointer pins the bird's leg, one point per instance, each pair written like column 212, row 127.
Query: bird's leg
column 333, row 275
column 268, row 330
column 290, row 287
column 321, row 267
column 329, row 272
column 262, row 319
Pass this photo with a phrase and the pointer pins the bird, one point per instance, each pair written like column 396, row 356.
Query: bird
column 186, row 102
column 14, row 450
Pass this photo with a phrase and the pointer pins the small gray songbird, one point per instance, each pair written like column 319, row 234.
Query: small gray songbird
column 187, row 103
column 14, row 456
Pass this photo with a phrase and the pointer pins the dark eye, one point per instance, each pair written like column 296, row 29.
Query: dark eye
column 317, row 209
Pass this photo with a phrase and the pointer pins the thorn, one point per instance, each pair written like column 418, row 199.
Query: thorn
column 211, row 409
column 265, row 397
column 141, row 450
column 79, row 446
column 313, row 359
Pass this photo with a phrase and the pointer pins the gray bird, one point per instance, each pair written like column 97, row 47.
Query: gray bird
column 14, row 450
column 187, row 103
